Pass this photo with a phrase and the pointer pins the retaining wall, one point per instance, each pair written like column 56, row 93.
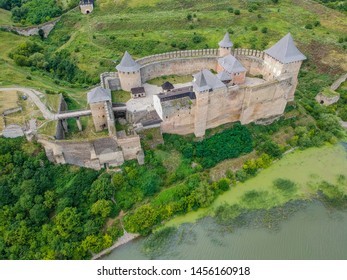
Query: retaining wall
column 33, row 30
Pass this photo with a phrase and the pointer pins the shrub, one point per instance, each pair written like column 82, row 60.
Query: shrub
column 189, row 17
column 237, row 12
column 254, row 28
column 308, row 26
column 264, row 30
column 182, row 46
column 197, row 39
column 231, row 10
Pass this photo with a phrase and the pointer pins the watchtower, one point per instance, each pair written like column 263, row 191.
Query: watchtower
column 129, row 73
column 283, row 58
column 99, row 100
column 225, row 45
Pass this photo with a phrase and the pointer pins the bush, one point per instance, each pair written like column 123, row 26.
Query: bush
column 189, row 17
column 197, row 39
column 230, row 143
column 237, row 12
column 254, row 28
column 231, row 10
column 264, row 30
column 182, row 46
column 309, row 26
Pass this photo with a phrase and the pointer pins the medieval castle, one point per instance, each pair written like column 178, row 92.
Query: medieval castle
column 228, row 85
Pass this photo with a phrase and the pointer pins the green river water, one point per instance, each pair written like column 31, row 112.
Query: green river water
column 311, row 231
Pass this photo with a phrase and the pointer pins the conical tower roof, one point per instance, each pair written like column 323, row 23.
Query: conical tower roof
column 128, row 64
column 98, row 94
column 205, row 80
column 226, row 43
column 285, row 50
column 231, row 64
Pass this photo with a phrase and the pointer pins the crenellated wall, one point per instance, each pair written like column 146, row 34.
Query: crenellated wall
column 177, row 54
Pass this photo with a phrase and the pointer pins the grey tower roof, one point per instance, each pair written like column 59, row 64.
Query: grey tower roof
column 224, row 76
column 99, row 94
column 285, row 50
column 205, row 80
column 226, row 43
column 128, row 64
column 86, row 2
column 231, row 64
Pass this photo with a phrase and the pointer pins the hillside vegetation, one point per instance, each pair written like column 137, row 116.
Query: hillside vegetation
column 61, row 212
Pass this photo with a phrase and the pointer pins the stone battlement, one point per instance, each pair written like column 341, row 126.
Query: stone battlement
column 177, row 54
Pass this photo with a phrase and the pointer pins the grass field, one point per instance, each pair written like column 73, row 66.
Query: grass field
column 159, row 26
column 174, row 79
column 120, row 96
column 8, row 100
column 5, row 17
column 156, row 26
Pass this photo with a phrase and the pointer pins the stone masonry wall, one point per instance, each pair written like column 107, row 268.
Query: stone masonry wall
column 130, row 145
column 177, row 54
column 33, row 30
column 177, row 66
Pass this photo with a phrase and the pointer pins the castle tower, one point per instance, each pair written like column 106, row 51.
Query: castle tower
column 231, row 70
column 86, row 6
column 225, row 45
column 283, row 58
column 204, row 82
column 129, row 73
column 99, row 100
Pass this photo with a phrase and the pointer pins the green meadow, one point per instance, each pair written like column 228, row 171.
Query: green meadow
column 98, row 40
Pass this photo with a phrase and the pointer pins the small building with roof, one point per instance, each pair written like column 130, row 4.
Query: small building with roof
column 86, row 6
column 99, row 100
column 167, row 86
column 138, row 92
column 129, row 73
column 230, row 66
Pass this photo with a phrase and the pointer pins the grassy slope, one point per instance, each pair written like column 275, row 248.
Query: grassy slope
column 150, row 27
column 5, row 17
column 114, row 27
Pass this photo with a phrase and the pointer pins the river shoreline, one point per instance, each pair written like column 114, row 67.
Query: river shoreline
column 309, row 167
column 127, row 237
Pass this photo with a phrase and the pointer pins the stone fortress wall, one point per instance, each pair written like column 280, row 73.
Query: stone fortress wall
column 184, row 63
column 262, row 96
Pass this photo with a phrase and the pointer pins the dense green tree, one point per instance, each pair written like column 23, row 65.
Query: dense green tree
column 142, row 220
column 102, row 207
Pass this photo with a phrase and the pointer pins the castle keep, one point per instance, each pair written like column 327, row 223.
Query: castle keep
column 228, row 84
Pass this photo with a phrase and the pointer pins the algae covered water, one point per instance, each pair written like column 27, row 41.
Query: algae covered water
column 309, row 231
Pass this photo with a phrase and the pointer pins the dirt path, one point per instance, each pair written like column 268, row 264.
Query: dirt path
column 34, row 96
